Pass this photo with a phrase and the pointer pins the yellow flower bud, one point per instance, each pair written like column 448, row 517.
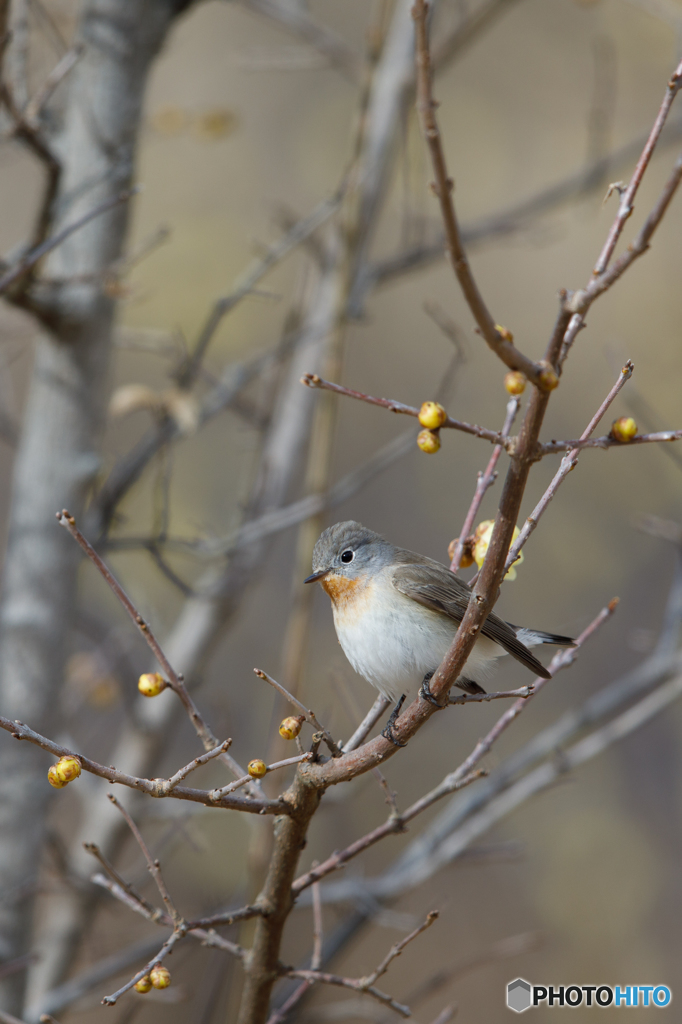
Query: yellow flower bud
column 289, row 728
column 548, row 380
column 504, row 332
column 466, row 560
column 623, row 429
column 150, row 684
column 432, row 415
column 467, row 557
column 515, row 382
column 54, row 779
column 428, row 441
column 143, row 985
column 160, row 976
column 67, row 769
column 482, row 535
column 257, row 768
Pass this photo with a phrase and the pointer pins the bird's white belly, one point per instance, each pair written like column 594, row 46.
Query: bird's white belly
column 394, row 642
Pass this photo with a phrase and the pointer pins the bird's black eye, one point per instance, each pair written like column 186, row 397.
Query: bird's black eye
column 347, row 556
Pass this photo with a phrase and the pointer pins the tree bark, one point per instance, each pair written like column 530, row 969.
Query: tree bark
column 58, row 451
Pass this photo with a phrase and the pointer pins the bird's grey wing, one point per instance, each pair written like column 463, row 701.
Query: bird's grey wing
column 434, row 586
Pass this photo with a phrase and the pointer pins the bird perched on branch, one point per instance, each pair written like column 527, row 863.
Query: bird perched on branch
column 396, row 614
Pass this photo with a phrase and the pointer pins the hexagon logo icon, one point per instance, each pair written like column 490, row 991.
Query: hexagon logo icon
column 518, row 995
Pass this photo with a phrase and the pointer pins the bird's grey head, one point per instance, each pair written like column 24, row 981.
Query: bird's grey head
column 348, row 549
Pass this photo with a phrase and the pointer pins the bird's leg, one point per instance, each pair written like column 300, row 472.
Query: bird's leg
column 425, row 693
column 387, row 732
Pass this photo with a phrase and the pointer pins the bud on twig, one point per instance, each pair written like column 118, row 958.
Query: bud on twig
column 504, row 332
column 64, row 771
column 623, row 429
column 151, row 684
column 432, row 415
column 289, row 728
column 515, row 382
column 256, row 768
column 160, row 976
column 428, row 441
column 548, row 379
column 53, row 778
column 144, row 985
column 467, row 556
column 481, row 542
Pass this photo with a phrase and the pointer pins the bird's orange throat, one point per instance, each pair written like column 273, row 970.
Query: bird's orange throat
column 343, row 592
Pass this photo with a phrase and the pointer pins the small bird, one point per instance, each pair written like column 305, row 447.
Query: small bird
column 396, row 614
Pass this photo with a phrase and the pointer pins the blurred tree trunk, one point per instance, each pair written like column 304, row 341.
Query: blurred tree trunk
column 57, row 454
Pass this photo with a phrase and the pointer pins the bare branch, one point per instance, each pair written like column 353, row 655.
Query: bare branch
column 627, row 199
column 153, row 866
column 476, row 698
column 367, row 724
column 393, row 825
column 567, row 464
column 485, row 480
column 397, row 949
column 151, row 912
column 153, row 787
column 609, row 442
column 167, row 948
column 309, row 716
column 312, row 380
column 352, row 983
column 182, row 773
column 247, row 281
column 175, row 681
column 32, row 257
column 499, row 341
column 218, row 795
column 34, row 107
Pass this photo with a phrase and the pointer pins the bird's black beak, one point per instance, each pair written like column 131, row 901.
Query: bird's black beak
column 317, row 576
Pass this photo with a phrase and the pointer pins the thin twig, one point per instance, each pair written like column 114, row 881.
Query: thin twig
column 625, row 207
column 207, row 937
column 393, row 825
column 312, row 380
column 34, row 107
column 246, row 282
column 160, row 956
column 228, row 917
column 609, row 442
column 397, row 949
column 175, row 680
column 32, row 257
column 182, row 773
column 568, row 463
column 316, row 962
column 367, row 984
column 217, row 795
column 353, row 983
column 503, row 346
column 485, row 480
column 476, row 698
column 153, row 866
column 367, row 724
column 306, row 712
column 153, row 913
column 153, row 787
column 561, row 660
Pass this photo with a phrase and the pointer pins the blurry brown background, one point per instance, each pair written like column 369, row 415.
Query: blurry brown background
column 241, row 117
